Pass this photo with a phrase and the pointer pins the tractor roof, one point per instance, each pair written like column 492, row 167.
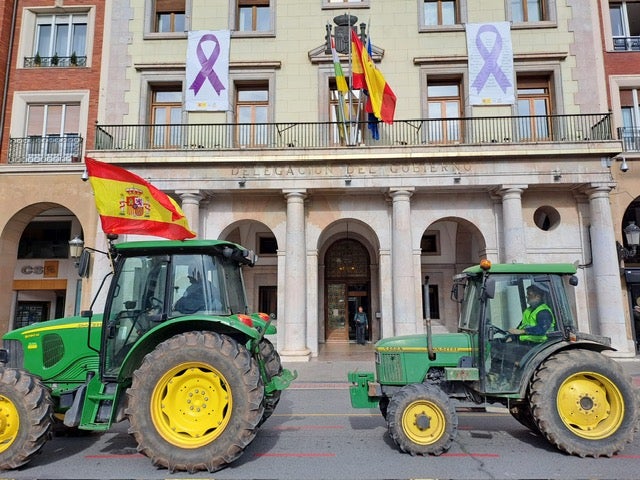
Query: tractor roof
column 533, row 268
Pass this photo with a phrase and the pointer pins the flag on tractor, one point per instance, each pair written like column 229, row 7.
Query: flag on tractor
column 365, row 75
column 127, row 203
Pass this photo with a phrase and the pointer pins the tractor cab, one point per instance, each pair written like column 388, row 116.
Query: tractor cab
column 512, row 316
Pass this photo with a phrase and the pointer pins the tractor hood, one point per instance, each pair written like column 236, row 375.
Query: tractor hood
column 405, row 359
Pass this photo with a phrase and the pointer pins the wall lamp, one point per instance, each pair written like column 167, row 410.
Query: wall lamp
column 624, row 166
column 242, row 182
column 632, row 235
column 347, row 181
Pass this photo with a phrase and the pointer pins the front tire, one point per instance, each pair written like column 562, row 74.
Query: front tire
column 422, row 420
column 583, row 403
column 26, row 417
column 195, row 402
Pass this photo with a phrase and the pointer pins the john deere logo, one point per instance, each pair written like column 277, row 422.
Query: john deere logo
column 133, row 204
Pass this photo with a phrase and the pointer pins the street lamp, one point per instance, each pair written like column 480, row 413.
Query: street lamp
column 632, row 235
column 76, row 245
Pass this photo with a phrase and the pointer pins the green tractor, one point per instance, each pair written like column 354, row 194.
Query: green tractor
column 176, row 352
column 556, row 382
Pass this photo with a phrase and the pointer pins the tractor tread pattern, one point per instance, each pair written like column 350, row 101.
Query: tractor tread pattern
column 248, row 393
column 35, row 408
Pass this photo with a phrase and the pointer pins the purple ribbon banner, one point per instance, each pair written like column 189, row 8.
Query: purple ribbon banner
column 206, row 66
column 490, row 57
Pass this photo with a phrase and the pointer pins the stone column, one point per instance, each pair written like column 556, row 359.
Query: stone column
column 607, row 287
column 403, row 278
column 191, row 207
column 514, row 248
column 295, row 282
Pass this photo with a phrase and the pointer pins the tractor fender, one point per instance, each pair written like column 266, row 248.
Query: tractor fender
column 536, row 360
column 231, row 326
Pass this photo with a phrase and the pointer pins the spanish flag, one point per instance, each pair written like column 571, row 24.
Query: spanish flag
column 365, row 75
column 127, row 203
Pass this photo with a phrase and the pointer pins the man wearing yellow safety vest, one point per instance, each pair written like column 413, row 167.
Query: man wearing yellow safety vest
column 537, row 319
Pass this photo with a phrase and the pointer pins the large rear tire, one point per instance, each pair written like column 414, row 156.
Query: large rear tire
column 195, row 402
column 583, row 403
column 26, row 417
column 422, row 420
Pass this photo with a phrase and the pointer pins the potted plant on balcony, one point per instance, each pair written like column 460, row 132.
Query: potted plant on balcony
column 55, row 59
column 73, row 60
column 37, row 60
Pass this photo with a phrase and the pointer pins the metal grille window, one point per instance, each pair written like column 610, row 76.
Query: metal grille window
column 169, row 16
column 61, row 35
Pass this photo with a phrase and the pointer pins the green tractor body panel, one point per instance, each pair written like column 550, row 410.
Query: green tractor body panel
column 88, row 370
column 405, row 359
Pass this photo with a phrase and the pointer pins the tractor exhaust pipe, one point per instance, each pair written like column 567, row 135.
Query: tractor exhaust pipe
column 427, row 317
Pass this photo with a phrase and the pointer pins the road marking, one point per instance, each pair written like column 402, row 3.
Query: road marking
column 311, row 427
column 295, row 455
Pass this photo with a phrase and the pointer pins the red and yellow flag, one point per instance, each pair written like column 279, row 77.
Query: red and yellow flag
column 366, row 75
column 127, row 203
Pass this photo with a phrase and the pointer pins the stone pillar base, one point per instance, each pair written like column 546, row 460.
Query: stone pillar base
column 295, row 355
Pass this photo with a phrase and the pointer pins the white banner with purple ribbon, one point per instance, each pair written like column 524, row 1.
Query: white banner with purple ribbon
column 207, row 71
column 490, row 63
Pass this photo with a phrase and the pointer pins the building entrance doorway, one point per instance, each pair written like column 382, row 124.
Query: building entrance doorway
column 347, row 280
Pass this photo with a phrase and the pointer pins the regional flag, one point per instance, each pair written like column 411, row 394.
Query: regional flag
column 341, row 82
column 383, row 100
column 127, row 203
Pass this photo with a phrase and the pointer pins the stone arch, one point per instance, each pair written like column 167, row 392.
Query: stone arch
column 261, row 281
column 448, row 245
column 10, row 236
column 340, row 295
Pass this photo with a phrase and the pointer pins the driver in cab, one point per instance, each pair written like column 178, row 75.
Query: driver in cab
column 537, row 319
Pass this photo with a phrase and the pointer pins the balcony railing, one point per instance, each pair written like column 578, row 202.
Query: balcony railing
column 314, row 135
column 626, row 43
column 73, row 61
column 53, row 149
column 630, row 137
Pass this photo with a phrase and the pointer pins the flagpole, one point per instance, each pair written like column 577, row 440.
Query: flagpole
column 351, row 142
column 366, row 46
column 342, row 130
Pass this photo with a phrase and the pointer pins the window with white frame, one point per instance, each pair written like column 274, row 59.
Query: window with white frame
column 625, row 25
column 60, row 37
column 52, row 132
column 630, row 110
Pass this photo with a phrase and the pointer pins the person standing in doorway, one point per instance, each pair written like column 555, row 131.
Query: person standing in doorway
column 362, row 323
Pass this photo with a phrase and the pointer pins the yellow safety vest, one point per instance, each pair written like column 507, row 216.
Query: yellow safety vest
column 530, row 319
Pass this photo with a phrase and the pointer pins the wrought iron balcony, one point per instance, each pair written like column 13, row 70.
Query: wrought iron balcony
column 55, row 61
column 50, row 149
column 630, row 138
column 318, row 135
column 626, row 43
